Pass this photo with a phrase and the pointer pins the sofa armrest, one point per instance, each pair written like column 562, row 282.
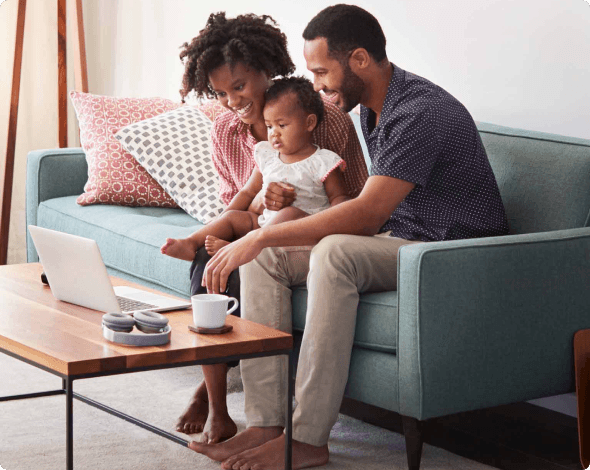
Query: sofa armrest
column 490, row 321
column 50, row 174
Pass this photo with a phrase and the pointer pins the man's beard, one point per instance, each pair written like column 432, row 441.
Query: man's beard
column 351, row 90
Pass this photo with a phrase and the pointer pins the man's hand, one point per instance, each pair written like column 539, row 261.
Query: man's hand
column 228, row 259
column 279, row 195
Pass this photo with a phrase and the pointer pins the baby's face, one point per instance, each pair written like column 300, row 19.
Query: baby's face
column 289, row 126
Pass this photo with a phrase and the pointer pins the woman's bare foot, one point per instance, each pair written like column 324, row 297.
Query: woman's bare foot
column 247, row 439
column 195, row 416
column 214, row 244
column 182, row 248
column 218, row 428
column 271, row 456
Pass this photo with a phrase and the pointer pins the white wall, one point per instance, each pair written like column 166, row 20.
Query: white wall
column 518, row 63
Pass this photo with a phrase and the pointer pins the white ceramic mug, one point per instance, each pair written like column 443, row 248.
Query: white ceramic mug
column 209, row 310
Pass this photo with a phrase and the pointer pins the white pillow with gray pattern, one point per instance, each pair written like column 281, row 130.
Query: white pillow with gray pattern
column 175, row 149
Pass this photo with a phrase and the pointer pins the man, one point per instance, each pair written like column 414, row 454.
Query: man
column 430, row 181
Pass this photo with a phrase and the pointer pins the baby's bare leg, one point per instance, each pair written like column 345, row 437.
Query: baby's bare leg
column 288, row 213
column 230, row 226
column 214, row 244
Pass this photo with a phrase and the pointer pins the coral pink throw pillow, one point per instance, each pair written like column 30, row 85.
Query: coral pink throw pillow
column 114, row 176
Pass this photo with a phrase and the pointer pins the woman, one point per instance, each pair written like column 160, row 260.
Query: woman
column 233, row 61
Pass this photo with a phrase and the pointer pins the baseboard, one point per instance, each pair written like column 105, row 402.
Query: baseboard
column 520, row 436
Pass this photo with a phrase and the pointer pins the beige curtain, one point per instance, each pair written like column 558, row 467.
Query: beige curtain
column 37, row 114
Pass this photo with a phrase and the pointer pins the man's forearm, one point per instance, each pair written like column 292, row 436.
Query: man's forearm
column 363, row 215
column 339, row 199
column 348, row 217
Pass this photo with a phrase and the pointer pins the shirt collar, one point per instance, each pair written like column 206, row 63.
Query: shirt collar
column 245, row 131
column 392, row 97
column 394, row 91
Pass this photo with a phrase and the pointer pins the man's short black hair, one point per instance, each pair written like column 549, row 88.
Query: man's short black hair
column 309, row 99
column 347, row 27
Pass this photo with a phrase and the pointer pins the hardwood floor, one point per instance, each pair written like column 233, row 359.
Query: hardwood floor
column 519, row 436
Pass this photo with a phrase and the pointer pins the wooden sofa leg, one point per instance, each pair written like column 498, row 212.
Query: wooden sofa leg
column 413, row 435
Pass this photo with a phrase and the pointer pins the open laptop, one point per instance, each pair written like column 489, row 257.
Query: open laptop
column 76, row 274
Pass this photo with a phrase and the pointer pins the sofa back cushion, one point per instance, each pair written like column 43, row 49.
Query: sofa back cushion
column 544, row 179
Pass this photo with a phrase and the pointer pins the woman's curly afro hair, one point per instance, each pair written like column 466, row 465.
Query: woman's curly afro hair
column 254, row 40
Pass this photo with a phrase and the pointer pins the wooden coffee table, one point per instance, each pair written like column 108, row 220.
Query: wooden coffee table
column 66, row 340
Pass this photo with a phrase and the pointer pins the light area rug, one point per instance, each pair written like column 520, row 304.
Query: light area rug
column 32, row 431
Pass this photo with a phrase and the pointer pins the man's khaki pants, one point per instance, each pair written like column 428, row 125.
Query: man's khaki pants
column 336, row 270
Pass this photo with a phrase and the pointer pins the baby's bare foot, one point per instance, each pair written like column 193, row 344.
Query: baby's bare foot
column 182, row 249
column 214, row 244
column 218, row 428
column 195, row 416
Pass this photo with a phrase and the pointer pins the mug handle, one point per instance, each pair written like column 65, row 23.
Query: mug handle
column 236, row 303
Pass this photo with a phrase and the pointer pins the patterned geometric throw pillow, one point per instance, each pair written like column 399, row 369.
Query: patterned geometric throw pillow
column 175, row 149
column 114, row 176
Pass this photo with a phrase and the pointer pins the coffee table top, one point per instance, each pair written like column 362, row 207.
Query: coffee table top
column 68, row 339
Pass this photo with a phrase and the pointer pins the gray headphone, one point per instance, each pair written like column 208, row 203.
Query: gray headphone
column 145, row 321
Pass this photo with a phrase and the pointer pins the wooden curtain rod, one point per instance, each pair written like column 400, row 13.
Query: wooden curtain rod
column 8, row 166
column 81, row 84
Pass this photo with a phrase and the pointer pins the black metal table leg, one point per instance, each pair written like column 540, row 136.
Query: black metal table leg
column 69, row 423
column 67, row 389
column 289, row 424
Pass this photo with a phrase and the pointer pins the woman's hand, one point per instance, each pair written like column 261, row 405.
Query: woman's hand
column 279, row 195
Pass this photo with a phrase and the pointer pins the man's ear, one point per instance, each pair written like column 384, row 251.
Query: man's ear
column 312, row 121
column 359, row 59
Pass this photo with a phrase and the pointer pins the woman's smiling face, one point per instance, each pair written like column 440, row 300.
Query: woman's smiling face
column 241, row 90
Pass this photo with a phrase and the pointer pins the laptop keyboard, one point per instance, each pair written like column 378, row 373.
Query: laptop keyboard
column 129, row 305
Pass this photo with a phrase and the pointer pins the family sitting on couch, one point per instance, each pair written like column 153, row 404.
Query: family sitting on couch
column 297, row 219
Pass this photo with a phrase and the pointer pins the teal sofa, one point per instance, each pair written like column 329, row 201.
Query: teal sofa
column 475, row 323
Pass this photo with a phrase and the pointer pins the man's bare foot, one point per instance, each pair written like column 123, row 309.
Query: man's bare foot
column 218, row 428
column 182, row 248
column 271, row 456
column 247, row 439
column 195, row 416
column 214, row 244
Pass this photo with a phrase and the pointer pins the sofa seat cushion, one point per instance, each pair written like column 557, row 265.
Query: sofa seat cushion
column 129, row 238
column 376, row 321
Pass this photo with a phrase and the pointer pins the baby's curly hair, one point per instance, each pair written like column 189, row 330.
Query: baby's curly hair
column 309, row 99
column 254, row 40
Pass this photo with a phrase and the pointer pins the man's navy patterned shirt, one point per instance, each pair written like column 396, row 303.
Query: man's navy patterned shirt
column 427, row 137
